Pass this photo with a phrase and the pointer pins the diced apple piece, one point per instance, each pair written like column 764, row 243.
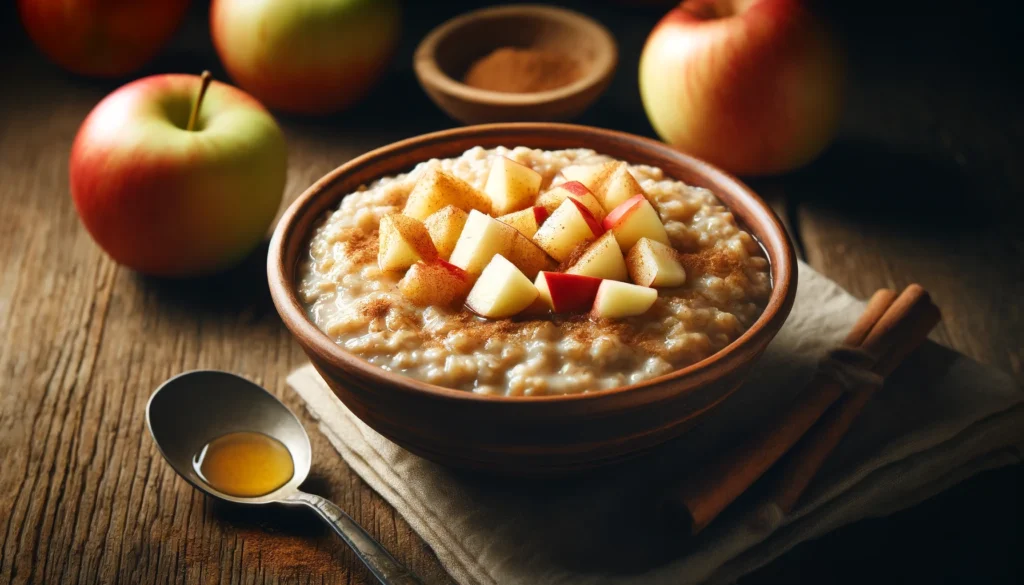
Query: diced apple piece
column 483, row 237
column 403, row 242
column 615, row 300
column 592, row 176
column 501, row 291
column 603, row 259
column 635, row 219
column 528, row 256
column 538, row 308
column 611, row 182
column 567, row 293
column 437, row 189
column 652, row 263
column 619, row 187
column 445, row 226
column 511, row 186
column 554, row 197
column 527, row 221
column 435, row 283
column 568, row 227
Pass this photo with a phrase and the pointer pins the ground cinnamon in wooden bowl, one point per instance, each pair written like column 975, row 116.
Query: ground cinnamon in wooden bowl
column 515, row 70
column 516, row 63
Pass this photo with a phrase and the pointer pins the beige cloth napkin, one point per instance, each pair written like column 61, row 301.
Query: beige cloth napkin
column 913, row 441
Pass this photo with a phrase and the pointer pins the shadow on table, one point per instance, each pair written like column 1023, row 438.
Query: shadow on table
column 241, row 292
column 881, row 186
column 283, row 536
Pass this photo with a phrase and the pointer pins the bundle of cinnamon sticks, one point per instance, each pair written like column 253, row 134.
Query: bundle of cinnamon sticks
column 890, row 329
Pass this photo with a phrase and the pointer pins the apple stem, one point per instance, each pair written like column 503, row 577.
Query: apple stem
column 204, row 82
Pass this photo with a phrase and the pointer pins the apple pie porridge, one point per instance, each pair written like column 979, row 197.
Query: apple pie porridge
column 530, row 272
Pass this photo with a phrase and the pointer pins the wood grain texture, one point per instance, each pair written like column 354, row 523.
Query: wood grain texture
column 86, row 342
column 85, row 498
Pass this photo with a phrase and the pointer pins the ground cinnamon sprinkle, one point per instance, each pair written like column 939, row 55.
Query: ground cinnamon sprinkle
column 709, row 262
column 376, row 308
column 361, row 245
column 514, row 70
column 573, row 256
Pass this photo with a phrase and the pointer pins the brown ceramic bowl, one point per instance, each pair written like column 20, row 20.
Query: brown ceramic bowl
column 527, row 435
column 445, row 55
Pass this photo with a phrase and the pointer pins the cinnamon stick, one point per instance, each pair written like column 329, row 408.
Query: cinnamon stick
column 712, row 489
column 806, row 459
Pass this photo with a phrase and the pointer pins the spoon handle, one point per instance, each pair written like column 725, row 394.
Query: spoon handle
column 380, row 562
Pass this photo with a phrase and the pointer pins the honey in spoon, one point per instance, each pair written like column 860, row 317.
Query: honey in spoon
column 244, row 464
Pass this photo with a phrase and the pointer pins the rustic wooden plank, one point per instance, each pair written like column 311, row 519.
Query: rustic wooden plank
column 86, row 342
column 933, row 198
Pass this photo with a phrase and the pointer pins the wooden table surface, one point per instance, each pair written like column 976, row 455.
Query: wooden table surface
column 924, row 184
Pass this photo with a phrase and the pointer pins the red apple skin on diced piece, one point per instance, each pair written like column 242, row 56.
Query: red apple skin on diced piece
column 567, row 293
column 511, row 186
column 437, row 189
column 527, row 221
column 540, row 215
column 501, row 291
column 592, row 222
column 436, row 283
column 616, row 300
column 610, row 182
column 445, row 226
column 568, row 227
column 403, row 242
column 654, row 264
column 602, row 259
column 636, row 218
column 554, row 197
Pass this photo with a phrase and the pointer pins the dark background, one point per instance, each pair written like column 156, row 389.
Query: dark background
column 933, row 120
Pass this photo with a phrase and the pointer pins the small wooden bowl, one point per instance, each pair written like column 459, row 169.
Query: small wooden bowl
column 541, row 435
column 445, row 55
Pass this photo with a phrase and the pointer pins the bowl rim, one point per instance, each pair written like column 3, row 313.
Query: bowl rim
column 430, row 73
column 284, row 293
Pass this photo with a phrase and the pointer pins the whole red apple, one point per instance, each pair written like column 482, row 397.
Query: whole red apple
column 169, row 197
column 305, row 56
column 101, row 38
column 753, row 86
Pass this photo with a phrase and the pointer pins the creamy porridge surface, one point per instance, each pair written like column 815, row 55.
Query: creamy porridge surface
column 359, row 306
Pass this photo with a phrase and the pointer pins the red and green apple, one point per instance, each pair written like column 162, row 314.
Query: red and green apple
column 753, row 86
column 101, row 38
column 170, row 196
column 305, row 56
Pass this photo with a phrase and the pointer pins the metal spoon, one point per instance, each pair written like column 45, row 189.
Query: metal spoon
column 191, row 409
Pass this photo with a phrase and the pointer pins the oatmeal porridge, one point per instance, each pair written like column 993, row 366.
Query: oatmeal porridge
column 530, row 272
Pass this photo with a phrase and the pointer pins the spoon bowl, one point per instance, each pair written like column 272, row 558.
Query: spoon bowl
column 192, row 409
